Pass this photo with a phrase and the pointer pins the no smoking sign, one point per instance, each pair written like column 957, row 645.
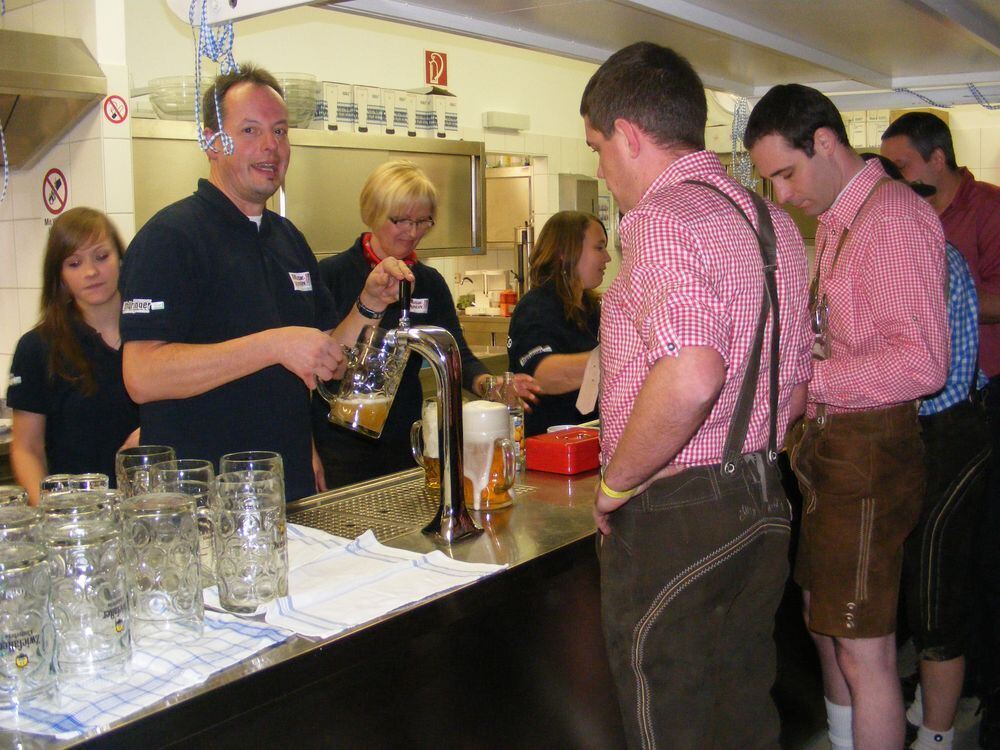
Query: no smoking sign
column 115, row 109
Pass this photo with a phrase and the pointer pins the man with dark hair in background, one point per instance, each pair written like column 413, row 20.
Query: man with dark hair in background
column 920, row 144
column 879, row 314
column 225, row 321
column 697, row 388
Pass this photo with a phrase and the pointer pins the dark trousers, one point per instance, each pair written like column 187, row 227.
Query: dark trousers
column 691, row 578
column 989, row 548
column 938, row 557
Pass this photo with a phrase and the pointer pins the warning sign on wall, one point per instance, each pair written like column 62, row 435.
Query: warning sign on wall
column 115, row 109
column 55, row 191
column 435, row 68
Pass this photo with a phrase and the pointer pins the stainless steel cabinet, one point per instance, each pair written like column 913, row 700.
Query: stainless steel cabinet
column 324, row 181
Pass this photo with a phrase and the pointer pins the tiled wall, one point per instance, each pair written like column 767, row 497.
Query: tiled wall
column 976, row 133
column 95, row 157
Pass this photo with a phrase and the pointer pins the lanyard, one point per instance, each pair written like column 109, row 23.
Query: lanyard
column 373, row 259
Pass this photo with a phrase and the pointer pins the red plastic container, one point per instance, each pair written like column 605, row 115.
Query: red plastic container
column 564, row 452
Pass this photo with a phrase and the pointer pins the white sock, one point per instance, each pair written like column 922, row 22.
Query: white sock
column 915, row 713
column 931, row 739
column 838, row 723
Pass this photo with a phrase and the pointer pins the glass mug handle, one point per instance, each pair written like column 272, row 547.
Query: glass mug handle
column 509, row 463
column 328, row 396
column 416, row 443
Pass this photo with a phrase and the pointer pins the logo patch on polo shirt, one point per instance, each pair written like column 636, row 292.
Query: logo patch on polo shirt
column 302, row 281
column 133, row 306
column 533, row 353
column 419, row 305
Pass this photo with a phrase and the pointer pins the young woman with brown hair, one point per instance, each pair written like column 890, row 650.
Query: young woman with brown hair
column 71, row 411
column 555, row 325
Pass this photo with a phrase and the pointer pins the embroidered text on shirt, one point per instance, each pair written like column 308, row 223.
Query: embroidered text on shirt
column 133, row 306
column 301, row 281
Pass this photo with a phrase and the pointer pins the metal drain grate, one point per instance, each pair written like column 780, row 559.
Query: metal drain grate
column 389, row 512
column 407, row 503
column 332, row 521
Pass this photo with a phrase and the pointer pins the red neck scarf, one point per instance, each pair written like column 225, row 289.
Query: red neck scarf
column 373, row 259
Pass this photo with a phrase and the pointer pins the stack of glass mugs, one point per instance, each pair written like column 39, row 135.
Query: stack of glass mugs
column 92, row 570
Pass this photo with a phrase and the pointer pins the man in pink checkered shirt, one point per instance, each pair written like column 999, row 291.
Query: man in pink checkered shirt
column 694, row 521
column 878, row 304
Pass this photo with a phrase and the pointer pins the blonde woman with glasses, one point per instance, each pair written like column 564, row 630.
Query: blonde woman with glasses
column 398, row 205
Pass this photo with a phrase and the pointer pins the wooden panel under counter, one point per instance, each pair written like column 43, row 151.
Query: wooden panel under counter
column 484, row 330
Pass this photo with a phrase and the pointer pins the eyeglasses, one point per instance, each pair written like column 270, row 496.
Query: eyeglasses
column 421, row 225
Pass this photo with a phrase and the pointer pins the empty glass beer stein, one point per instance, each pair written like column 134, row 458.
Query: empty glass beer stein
column 374, row 369
column 196, row 479
column 27, row 637
column 54, row 484
column 18, row 523
column 89, row 602
column 13, row 494
column 163, row 568
column 94, row 481
column 133, row 465
column 251, row 546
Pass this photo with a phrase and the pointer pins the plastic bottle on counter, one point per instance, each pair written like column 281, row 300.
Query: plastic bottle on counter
column 508, row 395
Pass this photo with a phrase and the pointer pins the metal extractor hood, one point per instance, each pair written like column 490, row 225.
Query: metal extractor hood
column 47, row 84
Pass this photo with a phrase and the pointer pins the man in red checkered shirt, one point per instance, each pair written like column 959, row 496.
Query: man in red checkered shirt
column 878, row 303
column 694, row 521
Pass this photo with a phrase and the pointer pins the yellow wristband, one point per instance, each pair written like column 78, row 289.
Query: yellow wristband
column 615, row 493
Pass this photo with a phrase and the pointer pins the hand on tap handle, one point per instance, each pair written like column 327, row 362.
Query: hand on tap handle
column 382, row 285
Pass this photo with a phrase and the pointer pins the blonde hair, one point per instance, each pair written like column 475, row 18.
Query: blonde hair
column 392, row 188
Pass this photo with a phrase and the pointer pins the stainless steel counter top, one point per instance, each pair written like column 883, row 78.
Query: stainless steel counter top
column 551, row 512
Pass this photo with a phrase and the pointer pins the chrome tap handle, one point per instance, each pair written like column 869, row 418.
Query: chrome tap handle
column 405, row 292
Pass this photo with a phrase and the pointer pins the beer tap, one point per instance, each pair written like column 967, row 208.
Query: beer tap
column 435, row 344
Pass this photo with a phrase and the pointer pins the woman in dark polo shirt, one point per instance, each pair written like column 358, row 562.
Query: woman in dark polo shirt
column 398, row 204
column 71, row 411
column 554, row 327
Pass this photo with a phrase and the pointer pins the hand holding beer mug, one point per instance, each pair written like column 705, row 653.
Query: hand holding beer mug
column 424, row 444
column 373, row 373
column 488, row 454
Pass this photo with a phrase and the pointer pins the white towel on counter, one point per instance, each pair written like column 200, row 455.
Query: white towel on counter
column 357, row 582
column 334, row 584
column 154, row 673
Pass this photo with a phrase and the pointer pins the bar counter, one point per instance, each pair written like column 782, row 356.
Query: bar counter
column 513, row 660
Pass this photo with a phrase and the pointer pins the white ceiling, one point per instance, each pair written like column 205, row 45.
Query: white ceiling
column 858, row 51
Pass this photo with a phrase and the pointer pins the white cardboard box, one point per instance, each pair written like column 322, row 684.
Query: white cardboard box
column 321, row 114
column 437, row 113
column 403, row 108
column 371, row 109
column 342, row 112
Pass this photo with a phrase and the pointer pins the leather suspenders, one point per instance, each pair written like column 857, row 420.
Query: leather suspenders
column 737, row 433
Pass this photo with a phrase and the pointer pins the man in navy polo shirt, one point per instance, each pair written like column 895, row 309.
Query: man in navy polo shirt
column 225, row 322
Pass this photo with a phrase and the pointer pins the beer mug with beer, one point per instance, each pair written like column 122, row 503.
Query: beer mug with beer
column 489, row 456
column 424, row 444
column 374, row 369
